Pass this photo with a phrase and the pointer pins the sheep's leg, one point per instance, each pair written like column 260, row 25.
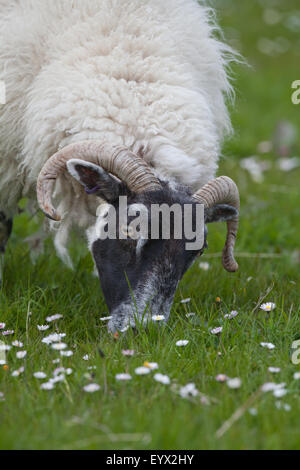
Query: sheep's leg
column 5, row 231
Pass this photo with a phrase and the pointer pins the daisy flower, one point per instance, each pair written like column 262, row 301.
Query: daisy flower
column 191, row 314
column 53, row 338
column 163, row 379
column 8, row 333
column 123, row 377
column 188, row 390
column 151, row 365
column 274, row 370
column 43, row 327
column 182, row 342
column 86, row 357
column 204, row 266
column 271, row 387
column 59, row 346
column 128, row 352
column 297, row 376
column 281, row 392
column 40, row 375
column 91, row 388
column 234, row 383
column 21, row 354
column 142, row 370
column 217, row 331
column 282, row 406
column 17, row 344
column 268, row 345
column 18, row 372
column 47, row 386
column 231, row 315
column 221, row 378
column 106, row 318
column 268, row 307
column 66, row 353
column 158, row 317
column 2, row 326
column 54, row 318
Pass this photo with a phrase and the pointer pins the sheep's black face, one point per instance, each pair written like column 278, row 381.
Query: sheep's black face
column 139, row 274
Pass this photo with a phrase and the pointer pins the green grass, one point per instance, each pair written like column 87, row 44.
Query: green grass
column 143, row 414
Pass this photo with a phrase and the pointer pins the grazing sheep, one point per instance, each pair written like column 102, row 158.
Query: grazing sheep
column 115, row 88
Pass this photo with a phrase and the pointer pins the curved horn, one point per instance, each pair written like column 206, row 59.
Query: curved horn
column 117, row 160
column 223, row 190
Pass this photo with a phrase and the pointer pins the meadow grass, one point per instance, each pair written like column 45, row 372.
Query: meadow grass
column 141, row 413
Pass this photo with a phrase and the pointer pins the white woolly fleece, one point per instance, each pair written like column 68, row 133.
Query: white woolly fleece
column 148, row 74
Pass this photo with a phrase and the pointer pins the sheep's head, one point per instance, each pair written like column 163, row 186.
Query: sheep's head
column 140, row 259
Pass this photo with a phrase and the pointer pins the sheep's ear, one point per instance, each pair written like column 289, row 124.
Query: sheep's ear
column 95, row 180
column 220, row 213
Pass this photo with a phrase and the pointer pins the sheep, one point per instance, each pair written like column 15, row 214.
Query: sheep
column 110, row 98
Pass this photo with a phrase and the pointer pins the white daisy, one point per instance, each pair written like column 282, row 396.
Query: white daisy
column 128, row 352
column 142, row 370
column 191, row 314
column 163, row 379
column 18, row 372
column 8, row 332
column 40, row 375
column 271, row 387
column 281, row 392
column 91, row 388
column 66, row 353
column 158, row 317
column 297, row 376
column 123, row 377
column 17, row 344
column 53, row 338
column 217, row 331
column 231, row 315
column 188, row 390
column 182, row 342
column 234, row 383
column 221, row 378
column 21, row 354
column 86, row 357
column 57, row 379
column 2, row 326
column 47, row 386
column 268, row 307
column 204, row 266
column 59, row 346
column 274, row 370
column 185, row 301
column 54, row 318
column 268, row 345
column 282, row 406
column 106, row 318
column 151, row 365
column 43, row 327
